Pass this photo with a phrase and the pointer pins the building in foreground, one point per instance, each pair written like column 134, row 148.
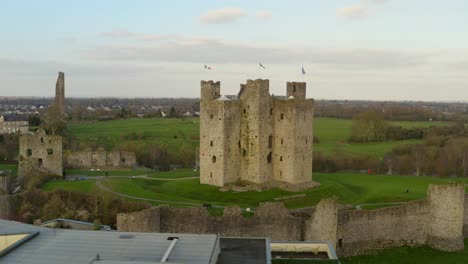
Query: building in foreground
column 14, row 124
column 256, row 138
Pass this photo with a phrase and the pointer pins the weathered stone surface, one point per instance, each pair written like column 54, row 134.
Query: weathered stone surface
column 256, row 138
column 322, row 226
column 40, row 153
column 100, row 159
column 446, row 216
column 60, row 92
column 436, row 221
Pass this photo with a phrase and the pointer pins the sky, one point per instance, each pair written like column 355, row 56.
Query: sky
column 350, row 49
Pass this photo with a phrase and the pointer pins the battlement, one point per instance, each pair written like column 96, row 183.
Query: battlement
column 210, row 90
column 255, row 137
column 296, row 90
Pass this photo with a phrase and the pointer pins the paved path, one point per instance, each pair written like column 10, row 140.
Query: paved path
column 86, row 177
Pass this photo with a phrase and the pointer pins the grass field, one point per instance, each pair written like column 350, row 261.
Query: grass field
column 12, row 167
column 410, row 255
column 177, row 133
column 348, row 188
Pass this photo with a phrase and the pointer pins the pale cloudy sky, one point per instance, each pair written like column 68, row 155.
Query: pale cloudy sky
column 351, row 49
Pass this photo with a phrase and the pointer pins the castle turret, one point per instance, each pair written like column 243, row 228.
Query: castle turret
column 446, row 209
column 296, row 90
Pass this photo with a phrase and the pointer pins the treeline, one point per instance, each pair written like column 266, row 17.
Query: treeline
column 372, row 127
column 437, row 156
column 402, row 111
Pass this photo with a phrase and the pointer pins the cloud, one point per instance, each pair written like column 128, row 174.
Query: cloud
column 264, row 15
column 118, row 33
column 375, row 1
column 353, row 12
column 223, row 15
column 215, row 51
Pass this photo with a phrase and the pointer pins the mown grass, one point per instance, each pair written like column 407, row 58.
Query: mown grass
column 348, row 188
column 177, row 133
column 12, row 167
column 334, row 133
column 175, row 174
column 85, row 186
column 410, row 255
column 170, row 132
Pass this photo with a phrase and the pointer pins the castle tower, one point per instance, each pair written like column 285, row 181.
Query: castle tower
column 256, row 132
column 256, row 138
column 60, row 92
column 446, row 209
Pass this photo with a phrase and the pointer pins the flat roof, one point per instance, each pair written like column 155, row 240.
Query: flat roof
column 60, row 246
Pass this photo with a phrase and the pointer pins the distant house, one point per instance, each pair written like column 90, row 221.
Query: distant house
column 163, row 114
column 89, row 108
column 14, row 124
column 187, row 114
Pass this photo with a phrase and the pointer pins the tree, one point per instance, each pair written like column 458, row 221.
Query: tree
column 54, row 121
column 368, row 126
column 172, row 112
column 418, row 156
column 34, row 120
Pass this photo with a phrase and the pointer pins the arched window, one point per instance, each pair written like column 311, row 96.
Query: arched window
column 269, row 158
column 213, row 159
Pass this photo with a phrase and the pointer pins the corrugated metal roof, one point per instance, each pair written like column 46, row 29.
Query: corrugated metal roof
column 73, row 246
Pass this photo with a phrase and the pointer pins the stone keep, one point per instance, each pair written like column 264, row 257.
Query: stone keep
column 254, row 137
column 40, row 152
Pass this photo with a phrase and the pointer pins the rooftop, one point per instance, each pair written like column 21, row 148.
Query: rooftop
column 52, row 246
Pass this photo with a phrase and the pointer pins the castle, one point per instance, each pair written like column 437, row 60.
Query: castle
column 40, row 152
column 255, row 137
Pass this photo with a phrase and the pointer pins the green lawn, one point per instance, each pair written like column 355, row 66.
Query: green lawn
column 170, row 132
column 12, row 167
column 349, row 188
column 177, row 133
column 86, row 186
column 175, row 174
column 333, row 135
column 410, row 255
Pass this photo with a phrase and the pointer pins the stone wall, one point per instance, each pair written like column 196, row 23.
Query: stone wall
column 362, row 230
column 270, row 220
column 40, row 152
column 100, row 159
column 437, row 221
column 5, row 184
column 446, row 216
column 8, row 206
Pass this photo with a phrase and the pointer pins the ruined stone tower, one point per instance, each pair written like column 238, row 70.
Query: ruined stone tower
column 40, row 153
column 60, row 92
column 256, row 138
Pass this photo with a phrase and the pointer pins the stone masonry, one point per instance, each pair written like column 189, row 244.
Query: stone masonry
column 60, row 92
column 256, row 138
column 100, row 159
column 40, row 152
column 440, row 221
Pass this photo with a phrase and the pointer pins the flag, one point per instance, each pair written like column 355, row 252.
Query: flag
column 303, row 71
column 207, row 67
column 261, row 65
